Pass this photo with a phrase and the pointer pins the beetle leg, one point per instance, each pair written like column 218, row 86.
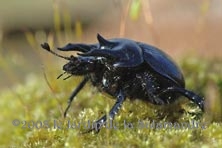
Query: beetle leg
column 102, row 121
column 148, row 81
column 75, row 92
column 189, row 94
column 153, row 98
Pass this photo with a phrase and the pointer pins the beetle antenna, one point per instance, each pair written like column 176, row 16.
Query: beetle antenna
column 47, row 47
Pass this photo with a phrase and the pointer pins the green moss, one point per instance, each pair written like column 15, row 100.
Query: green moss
column 35, row 102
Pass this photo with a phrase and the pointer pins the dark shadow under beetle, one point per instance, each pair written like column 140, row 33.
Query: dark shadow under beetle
column 125, row 68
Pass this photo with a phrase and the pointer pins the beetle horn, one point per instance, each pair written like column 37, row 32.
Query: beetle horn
column 103, row 41
column 100, row 53
column 77, row 47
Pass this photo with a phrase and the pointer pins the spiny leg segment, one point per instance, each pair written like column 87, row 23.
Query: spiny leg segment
column 114, row 110
column 189, row 94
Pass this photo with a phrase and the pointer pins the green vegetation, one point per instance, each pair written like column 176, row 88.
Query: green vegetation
column 36, row 101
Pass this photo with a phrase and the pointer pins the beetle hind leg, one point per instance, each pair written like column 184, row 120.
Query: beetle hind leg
column 189, row 94
column 149, row 84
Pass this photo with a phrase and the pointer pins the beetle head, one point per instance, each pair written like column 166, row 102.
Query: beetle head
column 76, row 65
column 80, row 65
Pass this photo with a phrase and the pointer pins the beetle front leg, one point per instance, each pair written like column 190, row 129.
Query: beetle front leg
column 75, row 92
column 116, row 107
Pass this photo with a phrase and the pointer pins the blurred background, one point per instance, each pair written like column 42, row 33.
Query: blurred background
column 188, row 30
column 185, row 27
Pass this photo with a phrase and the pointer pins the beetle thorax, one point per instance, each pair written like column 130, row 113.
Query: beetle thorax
column 106, row 79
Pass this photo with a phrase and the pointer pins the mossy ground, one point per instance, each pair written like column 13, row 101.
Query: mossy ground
column 43, row 104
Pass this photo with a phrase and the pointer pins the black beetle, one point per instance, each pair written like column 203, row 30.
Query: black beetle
column 125, row 68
